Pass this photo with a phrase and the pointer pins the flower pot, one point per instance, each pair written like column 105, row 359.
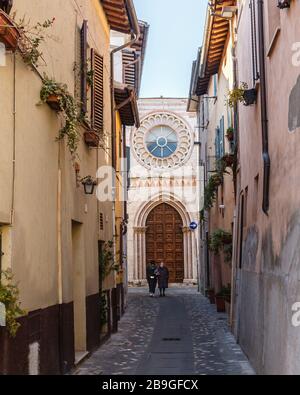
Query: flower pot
column 230, row 136
column 228, row 160
column 211, row 296
column 9, row 33
column 250, row 96
column 53, row 101
column 220, row 303
column 217, row 179
column 92, row 139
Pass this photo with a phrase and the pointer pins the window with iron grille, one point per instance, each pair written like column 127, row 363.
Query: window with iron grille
column 98, row 93
column 101, row 221
column 219, row 141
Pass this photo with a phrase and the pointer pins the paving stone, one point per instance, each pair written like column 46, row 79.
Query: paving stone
column 206, row 346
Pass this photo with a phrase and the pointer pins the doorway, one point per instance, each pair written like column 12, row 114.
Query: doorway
column 79, row 291
column 164, row 240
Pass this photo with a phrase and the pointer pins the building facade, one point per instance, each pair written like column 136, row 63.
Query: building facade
column 52, row 232
column 258, row 62
column 164, row 179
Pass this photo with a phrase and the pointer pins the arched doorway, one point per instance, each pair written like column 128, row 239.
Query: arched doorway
column 164, row 240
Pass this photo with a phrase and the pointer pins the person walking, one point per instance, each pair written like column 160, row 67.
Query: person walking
column 152, row 278
column 163, row 279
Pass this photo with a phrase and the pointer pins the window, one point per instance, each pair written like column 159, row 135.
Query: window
column 215, row 79
column 101, row 222
column 219, row 142
column 128, row 166
column 161, row 141
column 98, row 92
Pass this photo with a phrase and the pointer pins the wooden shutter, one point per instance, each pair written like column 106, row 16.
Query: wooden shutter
column 221, row 142
column 6, row 5
column 98, row 92
column 217, row 143
column 83, row 59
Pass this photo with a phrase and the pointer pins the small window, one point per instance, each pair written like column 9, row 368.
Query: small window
column 215, row 79
column 101, row 221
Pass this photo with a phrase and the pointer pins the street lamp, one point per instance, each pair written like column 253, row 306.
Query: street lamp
column 89, row 185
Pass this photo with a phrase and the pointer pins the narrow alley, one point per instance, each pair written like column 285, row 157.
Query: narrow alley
column 179, row 334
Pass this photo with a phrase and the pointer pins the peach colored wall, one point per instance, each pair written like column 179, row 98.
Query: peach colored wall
column 268, row 282
column 221, row 219
column 34, row 240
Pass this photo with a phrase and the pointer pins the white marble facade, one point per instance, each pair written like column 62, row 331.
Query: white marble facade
column 164, row 168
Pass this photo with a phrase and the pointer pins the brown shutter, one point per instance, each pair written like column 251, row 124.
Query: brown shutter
column 83, row 40
column 97, row 96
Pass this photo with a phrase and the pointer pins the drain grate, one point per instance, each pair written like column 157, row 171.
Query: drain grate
column 171, row 339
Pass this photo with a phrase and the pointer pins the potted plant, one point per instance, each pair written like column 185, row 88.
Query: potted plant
column 228, row 160
column 92, row 139
column 210, row 294
column 222, row 299
column 250, row 96
column 217, row 179
column 220, row 302
column 9, row 297
column 9, row 33
column 243, row 95
column 230, row 134
column 221, row 240
column 56, row 95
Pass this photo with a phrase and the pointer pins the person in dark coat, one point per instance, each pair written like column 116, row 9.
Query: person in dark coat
column 151, row 277
column 163, row 279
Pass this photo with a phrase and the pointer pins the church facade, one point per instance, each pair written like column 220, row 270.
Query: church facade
column 163, row 194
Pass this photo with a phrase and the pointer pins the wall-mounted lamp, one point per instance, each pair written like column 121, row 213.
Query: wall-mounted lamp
column 284, row 4
column 227, row 12
column 89, row 185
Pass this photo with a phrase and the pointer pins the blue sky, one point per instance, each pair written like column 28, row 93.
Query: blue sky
column 176, row 29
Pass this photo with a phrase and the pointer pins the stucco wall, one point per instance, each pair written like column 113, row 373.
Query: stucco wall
column 38, row 156
column 270, row 273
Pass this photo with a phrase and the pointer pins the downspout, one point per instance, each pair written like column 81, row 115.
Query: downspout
column 14, row 144
column 264, row 118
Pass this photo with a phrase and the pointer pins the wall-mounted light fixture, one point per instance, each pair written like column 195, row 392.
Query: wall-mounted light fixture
column 284, row 4
column 89, row 185
column 227, row 12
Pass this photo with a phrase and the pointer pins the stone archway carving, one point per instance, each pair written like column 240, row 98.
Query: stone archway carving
column 139, row 237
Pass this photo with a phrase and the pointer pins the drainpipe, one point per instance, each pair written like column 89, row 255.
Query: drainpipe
column 264, row 118
column 135, row 34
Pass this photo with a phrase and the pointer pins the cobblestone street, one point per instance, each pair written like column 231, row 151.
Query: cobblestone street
column 179, row 334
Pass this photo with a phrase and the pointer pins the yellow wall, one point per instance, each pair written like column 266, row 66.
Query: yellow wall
column 33, row 234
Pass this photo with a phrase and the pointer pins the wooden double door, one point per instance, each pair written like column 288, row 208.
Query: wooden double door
column 164, row 240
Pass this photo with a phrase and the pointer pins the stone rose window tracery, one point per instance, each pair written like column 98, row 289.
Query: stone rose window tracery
column 163, row 141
